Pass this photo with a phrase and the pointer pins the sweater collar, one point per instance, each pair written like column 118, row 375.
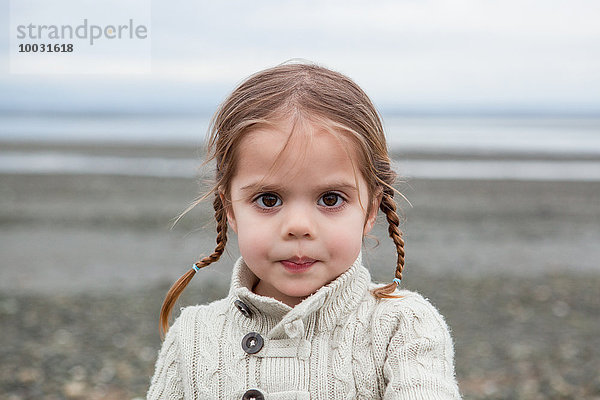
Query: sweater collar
column 328, row 305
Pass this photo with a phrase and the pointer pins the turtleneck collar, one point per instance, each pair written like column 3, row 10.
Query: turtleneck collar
column 326, row 307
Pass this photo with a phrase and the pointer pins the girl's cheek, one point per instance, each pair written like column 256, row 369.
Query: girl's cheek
column 252, row 232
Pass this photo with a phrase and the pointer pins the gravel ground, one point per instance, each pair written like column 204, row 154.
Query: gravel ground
column 514, row 338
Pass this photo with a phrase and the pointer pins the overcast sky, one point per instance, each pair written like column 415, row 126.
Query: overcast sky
column 408, row 55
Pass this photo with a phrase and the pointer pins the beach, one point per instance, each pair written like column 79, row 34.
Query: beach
column 87, row 258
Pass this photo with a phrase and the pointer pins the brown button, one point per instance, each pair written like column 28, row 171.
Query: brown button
column 244, row 309
column 253, row 394
column 252, row 343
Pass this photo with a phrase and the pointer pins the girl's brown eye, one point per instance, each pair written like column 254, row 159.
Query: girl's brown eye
column 330, row 200
column 268, row 201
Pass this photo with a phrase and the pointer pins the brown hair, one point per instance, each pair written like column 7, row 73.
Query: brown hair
column 318, row 94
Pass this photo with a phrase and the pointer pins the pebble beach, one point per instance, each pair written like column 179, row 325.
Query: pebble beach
column 87, row 258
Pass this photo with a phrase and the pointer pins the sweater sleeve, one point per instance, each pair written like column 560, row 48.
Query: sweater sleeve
column 420, row 357
column 166, row 383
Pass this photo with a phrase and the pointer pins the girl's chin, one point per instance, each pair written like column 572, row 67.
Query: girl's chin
column 281, row 293
column 297, row 295
column 289, row 295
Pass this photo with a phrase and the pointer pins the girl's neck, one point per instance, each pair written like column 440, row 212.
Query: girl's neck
column 266, row 290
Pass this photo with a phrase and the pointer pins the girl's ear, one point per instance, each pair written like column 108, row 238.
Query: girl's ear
column 372, row 217
column 229, row 211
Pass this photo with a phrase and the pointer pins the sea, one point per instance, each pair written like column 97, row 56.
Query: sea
column 512, row 147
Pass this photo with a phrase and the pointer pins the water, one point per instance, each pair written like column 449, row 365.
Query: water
column 138, row 129
column 552, row 136
column 449, row 134
column 571, row 146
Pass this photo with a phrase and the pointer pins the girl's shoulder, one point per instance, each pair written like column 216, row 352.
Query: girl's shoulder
column 409, row 309
column 411, row 339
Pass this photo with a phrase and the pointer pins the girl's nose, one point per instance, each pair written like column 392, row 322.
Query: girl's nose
column 298, row 223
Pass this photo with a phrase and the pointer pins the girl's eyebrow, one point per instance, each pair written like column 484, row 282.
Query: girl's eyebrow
column 260, row 187
column 339, row 185
column 336, row 185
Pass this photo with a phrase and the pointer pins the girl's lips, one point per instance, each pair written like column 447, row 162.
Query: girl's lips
column 297, row 265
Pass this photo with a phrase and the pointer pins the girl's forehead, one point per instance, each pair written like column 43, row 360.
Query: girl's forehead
column 285, row 152
column 296, row 143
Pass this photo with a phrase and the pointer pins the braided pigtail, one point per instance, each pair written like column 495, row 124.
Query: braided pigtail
column 178, row 287
column 388, row 207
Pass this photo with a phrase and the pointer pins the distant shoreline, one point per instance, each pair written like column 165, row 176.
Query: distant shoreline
column 196, row 150
column 177, row 161
column 491, row 136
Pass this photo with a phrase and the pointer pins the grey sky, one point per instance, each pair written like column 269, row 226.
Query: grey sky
column 416, row 55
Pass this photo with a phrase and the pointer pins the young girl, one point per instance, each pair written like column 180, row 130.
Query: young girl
column 301, row 172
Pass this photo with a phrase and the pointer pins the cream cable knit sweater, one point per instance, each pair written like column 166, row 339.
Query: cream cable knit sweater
column 339, row 343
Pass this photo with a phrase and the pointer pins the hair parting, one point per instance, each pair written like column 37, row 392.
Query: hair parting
column 178, row 287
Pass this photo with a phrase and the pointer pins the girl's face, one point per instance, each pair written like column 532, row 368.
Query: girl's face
column 300, row 211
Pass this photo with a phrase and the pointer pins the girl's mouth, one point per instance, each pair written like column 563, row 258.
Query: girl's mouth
column 296, row 265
